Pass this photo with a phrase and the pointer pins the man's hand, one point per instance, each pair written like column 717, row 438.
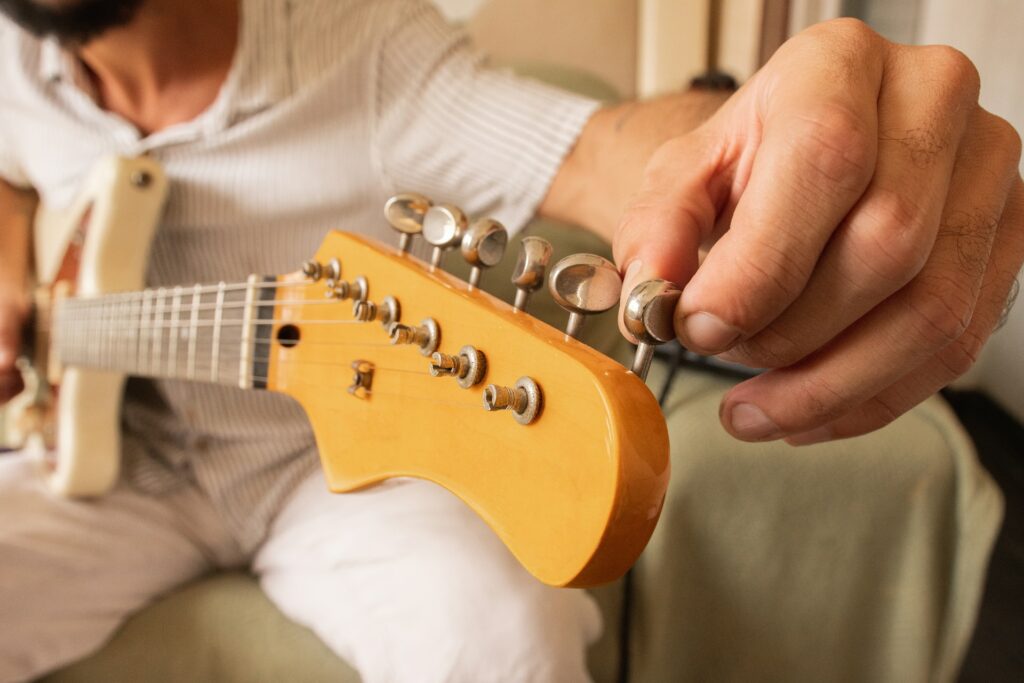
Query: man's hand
column 12, row 314
column 865, row 219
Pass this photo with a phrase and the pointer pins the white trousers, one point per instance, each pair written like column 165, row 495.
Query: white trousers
column 401, row 580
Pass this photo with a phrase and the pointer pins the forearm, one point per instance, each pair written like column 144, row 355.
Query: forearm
column 16, row 210
column 604, row 169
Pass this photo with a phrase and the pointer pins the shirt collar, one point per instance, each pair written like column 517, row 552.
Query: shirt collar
column 260, row 75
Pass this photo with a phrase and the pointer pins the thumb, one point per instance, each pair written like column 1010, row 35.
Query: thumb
column 661, row 231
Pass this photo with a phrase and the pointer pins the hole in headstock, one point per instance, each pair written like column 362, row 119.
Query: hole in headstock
column 288, row 336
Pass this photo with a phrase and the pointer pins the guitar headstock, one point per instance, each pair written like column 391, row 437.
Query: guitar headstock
column 406, row 370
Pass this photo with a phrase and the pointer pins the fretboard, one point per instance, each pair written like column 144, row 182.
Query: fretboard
column 206, row 333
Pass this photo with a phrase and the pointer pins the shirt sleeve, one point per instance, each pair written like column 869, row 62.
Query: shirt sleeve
column 451, row 128
column 10, row 167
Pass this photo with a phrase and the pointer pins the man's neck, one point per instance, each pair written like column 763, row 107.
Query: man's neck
column 168, row 64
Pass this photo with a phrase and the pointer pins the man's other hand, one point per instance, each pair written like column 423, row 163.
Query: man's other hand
column 12, row 314
column 865, row 219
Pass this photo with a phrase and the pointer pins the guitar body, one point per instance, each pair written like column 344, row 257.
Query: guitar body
column 98, row 245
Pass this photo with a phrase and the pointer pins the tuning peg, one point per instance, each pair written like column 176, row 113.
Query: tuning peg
column 528, row 276
column 584, row 284
column 405, row 213
column 336, row 288
column 443, row 226
column 648, row 316
column 387, row 312
column 483, row 245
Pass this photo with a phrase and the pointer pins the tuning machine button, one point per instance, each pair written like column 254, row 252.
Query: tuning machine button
column 426, row 335
column 387, row 312
column 525, row 399
column 443, row 227
column 483, row 245
column 468, row 367
column 405, row 213
column 528, row 276
column 648, row 316
column 584, row 284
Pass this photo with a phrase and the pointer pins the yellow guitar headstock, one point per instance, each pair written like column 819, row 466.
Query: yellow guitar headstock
column 405, row 370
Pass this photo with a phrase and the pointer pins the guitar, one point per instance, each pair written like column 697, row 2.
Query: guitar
column 403, row 371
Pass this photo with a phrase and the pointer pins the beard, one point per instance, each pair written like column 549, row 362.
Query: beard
column 71, row 22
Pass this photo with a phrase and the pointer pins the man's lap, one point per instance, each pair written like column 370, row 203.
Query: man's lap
column 401, row 568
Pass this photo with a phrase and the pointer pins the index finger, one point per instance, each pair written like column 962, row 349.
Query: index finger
column 814, row 152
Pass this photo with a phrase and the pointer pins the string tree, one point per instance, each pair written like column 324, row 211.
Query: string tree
column 584, row 284
column 362, row 379
column 443, row 227
column 468, row 367
column 528, row 275
column 648, row 316
column 405, row 213
column 483, row 244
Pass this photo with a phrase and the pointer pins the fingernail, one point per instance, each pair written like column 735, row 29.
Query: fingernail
column 6, row 358
column 749, row 422
column 810, row 437
column 708, row 333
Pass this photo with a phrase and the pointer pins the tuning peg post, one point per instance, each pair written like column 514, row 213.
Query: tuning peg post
column 405, row 213
column 443, row 227
column 648, row 316
column 483, row 245
column 584, row 284
column 528, row 276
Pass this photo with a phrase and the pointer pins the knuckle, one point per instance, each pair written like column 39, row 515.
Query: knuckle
column 837, row 144
column 767, row 349
column 896, row 235
column 878, row 413
column 851, row 30
column 961, row 355
column 776, row 275
column 1004, row 137
column 942, row 311
column 820, row 402
column 954, row 68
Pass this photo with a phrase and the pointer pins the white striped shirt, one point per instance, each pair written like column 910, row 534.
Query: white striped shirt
column 329, row 107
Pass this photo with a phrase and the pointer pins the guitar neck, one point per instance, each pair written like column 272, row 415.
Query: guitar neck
column 208, row 333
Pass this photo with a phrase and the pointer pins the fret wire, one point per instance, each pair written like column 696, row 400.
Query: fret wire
column 158, row 344
column 247, row 348
column 193, row 327
column 172, row 337
column 215, row 344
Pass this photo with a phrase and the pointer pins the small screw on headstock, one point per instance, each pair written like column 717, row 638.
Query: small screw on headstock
column 528, row 276
column 584, row 284
column 443, row 226
column 483, row 245
column 405, row 212
column 648, row 316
